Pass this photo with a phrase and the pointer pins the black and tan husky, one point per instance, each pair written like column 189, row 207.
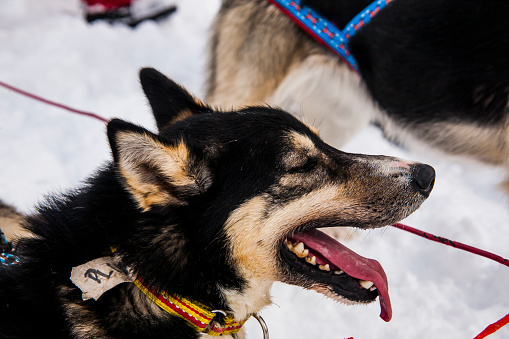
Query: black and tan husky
column 196, row 222
column 432, row 72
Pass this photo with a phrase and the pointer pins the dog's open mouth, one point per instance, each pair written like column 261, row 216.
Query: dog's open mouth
column 345, row 273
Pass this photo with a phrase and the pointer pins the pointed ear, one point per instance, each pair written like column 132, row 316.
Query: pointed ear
column 169, row 101
column 154, row 171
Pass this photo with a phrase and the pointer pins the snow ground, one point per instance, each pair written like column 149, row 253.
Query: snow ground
column 46, row 48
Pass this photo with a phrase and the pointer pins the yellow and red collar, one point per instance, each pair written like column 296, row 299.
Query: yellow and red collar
column 197, row 315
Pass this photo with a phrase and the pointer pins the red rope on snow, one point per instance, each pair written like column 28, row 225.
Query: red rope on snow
column 455, row 244
column 49, row 102
column 493, row 327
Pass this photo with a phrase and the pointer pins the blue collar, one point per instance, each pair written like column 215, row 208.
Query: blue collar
column 325, row 31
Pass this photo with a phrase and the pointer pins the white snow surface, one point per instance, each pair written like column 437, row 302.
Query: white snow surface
column 48, row 49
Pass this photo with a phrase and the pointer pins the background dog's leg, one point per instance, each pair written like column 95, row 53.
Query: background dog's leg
column 328, row 95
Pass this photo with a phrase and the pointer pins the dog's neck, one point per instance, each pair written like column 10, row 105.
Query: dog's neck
column 175, row 276
column 250, row 300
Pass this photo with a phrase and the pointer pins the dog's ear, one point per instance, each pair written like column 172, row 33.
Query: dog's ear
column 169, row 101
column 156, row 172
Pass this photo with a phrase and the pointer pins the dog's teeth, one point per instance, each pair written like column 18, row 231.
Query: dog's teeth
column 366, row 284
column 338, row 272
column 311, row 260
column 325, row 267
column 300, row 250
column 372, row 288
column 299, row 247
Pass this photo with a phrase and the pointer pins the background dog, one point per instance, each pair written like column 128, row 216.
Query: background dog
column 215, row 208
column 433, row 72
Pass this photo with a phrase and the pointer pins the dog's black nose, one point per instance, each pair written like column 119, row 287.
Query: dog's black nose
column 424, row 178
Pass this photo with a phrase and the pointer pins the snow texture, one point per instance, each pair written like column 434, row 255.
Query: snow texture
column 48, row 49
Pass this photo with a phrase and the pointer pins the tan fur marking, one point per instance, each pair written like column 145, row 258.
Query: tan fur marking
column 199, row 102
column 245, row 228
column 184, row 114
column 253, row 298
column 146, row 194
column 177, row 168
column 303, row 142
column 11, row 224
column 303, row 148
column 136, row 150
column 256, row 230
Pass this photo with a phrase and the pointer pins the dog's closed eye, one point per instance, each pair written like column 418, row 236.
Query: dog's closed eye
column 307, row 166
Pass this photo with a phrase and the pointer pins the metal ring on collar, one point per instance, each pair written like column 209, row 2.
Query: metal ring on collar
column 263, row 325
column 220, row 312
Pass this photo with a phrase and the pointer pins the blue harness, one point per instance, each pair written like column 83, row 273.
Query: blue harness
column 325, row 31
column 6, row 257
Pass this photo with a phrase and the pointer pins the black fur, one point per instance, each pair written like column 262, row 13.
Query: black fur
column 432, row 61
column 156, row 87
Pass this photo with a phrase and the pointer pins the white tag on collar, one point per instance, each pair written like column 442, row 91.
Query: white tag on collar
column 98, row 276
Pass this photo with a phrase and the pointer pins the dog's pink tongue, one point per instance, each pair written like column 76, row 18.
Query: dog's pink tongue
column 351, row 263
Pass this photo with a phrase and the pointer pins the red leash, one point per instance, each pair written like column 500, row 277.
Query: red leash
column 49, row 102
column 455, row 244
column 500, row 323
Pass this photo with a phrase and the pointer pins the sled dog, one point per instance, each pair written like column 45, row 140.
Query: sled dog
column 431, row 72
column 192, row 225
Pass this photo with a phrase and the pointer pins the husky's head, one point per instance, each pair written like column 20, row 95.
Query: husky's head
column 232, row 202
